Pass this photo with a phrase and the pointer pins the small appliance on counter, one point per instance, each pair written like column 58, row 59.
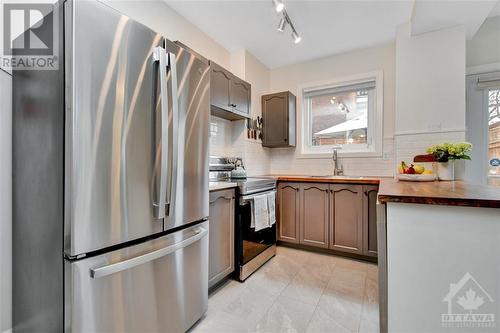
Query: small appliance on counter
column 254, row 244
column 239, row 171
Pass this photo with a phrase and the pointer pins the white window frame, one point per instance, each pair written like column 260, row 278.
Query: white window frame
column 375, row 119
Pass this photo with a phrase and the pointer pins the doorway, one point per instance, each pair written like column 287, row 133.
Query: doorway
column 483, row 128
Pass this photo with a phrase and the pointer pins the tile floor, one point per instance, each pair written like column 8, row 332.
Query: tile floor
column 297, row 291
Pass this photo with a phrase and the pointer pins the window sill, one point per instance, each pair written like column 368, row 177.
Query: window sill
column 341, row 154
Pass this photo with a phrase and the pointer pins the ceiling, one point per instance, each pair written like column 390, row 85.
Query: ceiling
column 434, row 15
column 326, row 27
column 495, row 11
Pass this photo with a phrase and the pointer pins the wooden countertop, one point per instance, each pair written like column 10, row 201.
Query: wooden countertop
column 451, row 193
column 328, row 179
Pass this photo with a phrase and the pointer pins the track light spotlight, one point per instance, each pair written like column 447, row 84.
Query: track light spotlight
column 278, row 5
column 282, row 25
column 296, row 37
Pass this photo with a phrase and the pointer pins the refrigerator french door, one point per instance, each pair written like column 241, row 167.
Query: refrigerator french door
column 110, row 170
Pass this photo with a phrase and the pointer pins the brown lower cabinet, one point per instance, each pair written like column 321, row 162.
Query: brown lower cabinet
column 288, row 212
column 221, row 235
column 341, row 217
column 346, row 218
column 370, row 220
column 314, row 215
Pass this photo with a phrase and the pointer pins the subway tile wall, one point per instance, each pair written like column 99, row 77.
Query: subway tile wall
column 409, row 145
column 284, row 161
column 228, row 138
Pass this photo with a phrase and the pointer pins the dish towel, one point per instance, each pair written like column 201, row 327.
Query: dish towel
column 260, row 213
column 271, row 200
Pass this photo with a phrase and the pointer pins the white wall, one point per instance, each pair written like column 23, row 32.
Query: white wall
column 430, row 78
column 286, row 160
column 484, row 48
column 5, row 201
column 430, row 93
column 429, row 247
column 157, row 15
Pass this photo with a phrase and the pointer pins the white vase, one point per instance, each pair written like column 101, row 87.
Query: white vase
column 446, row 170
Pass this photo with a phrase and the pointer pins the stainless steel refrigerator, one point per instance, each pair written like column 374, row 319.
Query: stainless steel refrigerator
column 110, row 180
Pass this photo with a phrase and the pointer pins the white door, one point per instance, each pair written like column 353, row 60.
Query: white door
column 483, row 128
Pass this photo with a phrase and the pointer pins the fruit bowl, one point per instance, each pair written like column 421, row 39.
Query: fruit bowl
column 416, row 178
column 415, row 173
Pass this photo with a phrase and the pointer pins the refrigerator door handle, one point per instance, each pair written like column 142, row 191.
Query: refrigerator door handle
column 103, row 271
column 172, row 186
column 160, row 55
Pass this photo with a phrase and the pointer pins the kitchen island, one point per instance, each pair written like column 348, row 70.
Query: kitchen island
column 439, row 245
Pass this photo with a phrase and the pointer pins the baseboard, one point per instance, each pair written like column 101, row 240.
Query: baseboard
column 328, row 251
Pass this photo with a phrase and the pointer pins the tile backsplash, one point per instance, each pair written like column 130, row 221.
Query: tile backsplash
column 228, row 138
column 284, row 161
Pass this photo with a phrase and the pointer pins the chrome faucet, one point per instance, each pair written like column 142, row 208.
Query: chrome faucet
column 338, row 169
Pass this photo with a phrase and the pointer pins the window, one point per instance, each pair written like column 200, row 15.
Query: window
column 494, row 137
column 343, row 114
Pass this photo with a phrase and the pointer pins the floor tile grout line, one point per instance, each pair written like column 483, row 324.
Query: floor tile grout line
column 360, row 314
column 316, row 306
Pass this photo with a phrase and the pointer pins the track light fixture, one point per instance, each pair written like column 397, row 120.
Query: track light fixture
column 285, row 19
column 282, row 25
column 278, row 5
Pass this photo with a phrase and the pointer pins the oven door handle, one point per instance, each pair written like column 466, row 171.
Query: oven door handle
column 246, row 198
column 260, row 191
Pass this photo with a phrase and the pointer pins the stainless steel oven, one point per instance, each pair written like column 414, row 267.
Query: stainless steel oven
column 253, row 248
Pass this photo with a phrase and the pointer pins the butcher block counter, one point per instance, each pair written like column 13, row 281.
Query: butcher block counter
column 328, row 179
column 431, row 236
column 452, row 193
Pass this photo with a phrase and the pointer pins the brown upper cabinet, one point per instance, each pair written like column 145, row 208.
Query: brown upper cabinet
column 278, row 117
column 229, row 95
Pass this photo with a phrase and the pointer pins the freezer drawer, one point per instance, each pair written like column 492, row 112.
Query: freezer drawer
column 158, row 286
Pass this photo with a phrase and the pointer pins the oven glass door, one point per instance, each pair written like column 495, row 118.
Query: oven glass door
column 252, row 242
